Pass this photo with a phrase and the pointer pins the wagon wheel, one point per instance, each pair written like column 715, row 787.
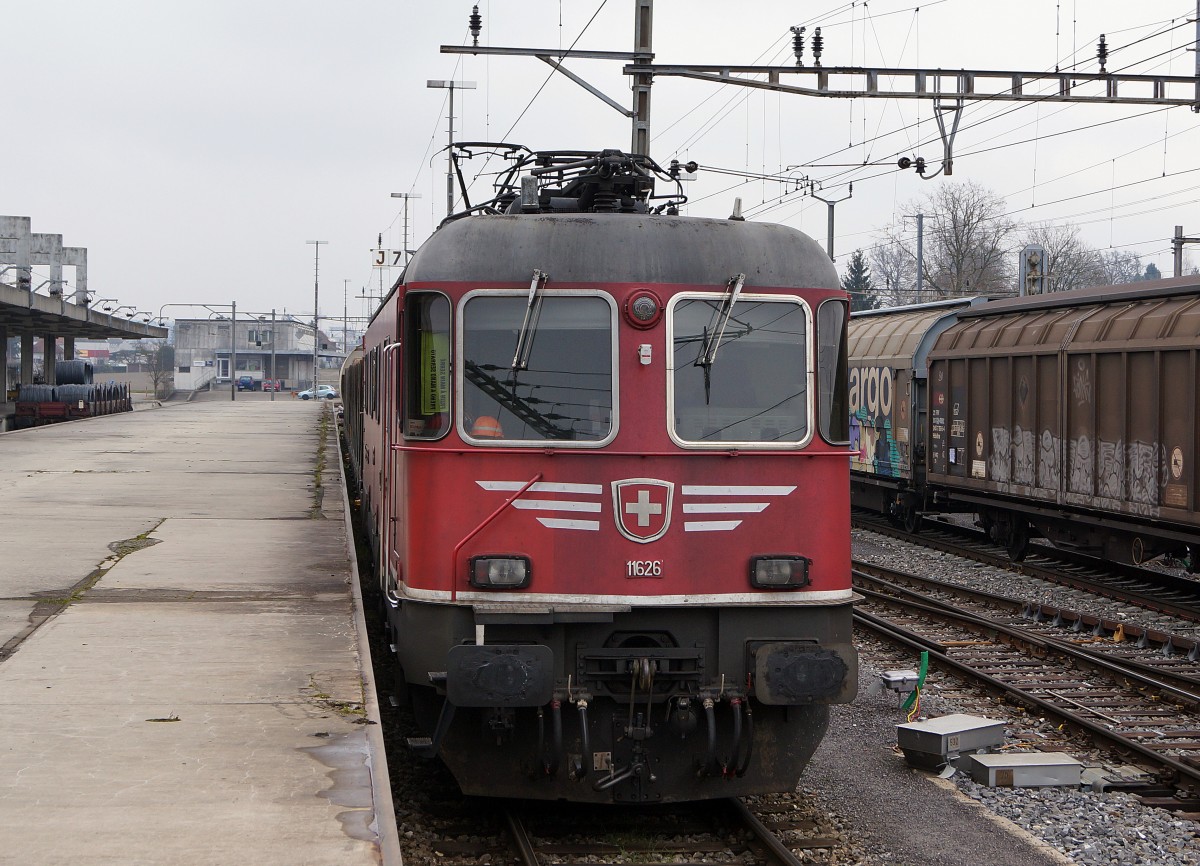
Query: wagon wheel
column 912, row 520
column 1017, row 542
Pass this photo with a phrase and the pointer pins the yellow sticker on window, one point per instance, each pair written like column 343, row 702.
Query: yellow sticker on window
column 435, row 373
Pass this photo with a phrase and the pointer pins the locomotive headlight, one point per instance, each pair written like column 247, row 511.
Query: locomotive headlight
column 779, row 572
column 500, row 572
column 643, row 309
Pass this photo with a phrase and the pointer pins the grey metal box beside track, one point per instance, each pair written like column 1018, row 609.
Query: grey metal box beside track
column 1026, row 770
column 950, row 735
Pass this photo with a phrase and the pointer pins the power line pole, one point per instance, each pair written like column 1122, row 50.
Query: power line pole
column 451, row 86
column 919, row 284
column 233, row 353
column 274, row 381
column 920, row 255
column 643, row 33
column 380, row 246
column 1178, row 241
column 406, row 196
column 316, row 309
column 830, row 203
column 345, row 317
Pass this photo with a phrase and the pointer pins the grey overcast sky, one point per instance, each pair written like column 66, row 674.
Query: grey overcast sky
column 194, row 146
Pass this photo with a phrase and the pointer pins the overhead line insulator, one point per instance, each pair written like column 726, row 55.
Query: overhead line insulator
column 476, row 24
column 798, row 45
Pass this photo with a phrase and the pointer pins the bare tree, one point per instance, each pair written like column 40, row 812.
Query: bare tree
column 894, row 267
column 968, row 247
column 159, row 357
column 967, row 241
column 1121, row 267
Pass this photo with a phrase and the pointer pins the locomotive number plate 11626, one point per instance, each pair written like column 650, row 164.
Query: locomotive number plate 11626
column 643, row 568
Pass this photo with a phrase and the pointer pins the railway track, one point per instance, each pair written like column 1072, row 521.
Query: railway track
column 1161, row 592
column 771, row 831
column 1170, row 652
column 1152, row 714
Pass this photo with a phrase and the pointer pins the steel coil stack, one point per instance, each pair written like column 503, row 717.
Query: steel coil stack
column 73, row 372
column 43, row 404
column 35, row 393
column 74, row 393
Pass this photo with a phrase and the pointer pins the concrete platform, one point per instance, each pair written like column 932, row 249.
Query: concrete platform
column 180, row 673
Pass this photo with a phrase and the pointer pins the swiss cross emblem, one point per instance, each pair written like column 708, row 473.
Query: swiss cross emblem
column 642, row 508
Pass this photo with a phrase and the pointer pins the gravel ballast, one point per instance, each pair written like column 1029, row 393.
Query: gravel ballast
column 1080, row 825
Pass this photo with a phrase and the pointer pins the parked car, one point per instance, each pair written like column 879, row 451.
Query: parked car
column 324, row 392
column 272, row 385
column 247, row 383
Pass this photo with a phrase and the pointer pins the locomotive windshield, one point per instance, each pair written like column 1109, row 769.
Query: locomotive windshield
column 563, row 388
column 755, row 389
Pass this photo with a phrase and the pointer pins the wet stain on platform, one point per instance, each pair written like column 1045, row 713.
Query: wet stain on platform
column 348, row 759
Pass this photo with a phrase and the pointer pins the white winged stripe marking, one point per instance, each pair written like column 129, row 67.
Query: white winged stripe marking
column 560, row 523
column 556, row 505
column 544, row 487
column 724, row 507
column 710, row 525
column 736, row 490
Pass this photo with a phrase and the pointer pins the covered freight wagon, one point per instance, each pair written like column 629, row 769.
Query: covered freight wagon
column 889, row 350
column 1073, row 416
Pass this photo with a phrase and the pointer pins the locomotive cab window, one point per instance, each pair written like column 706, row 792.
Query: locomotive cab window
column 831, row 372
column 739, row 371
column 426, row 379
column 537, row 370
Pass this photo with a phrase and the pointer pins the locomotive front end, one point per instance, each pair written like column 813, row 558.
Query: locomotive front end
column 620, row 566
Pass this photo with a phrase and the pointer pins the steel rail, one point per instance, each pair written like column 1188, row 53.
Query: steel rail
column 521, row 839
column 937, row 608
column 1186, row 681
column 898, row 634
column 774, row 844
column 1189, row 610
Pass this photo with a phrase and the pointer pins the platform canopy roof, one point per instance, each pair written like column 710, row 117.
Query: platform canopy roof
column 24, row 312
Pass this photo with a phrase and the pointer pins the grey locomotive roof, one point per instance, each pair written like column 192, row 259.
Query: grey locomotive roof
column 625, row 248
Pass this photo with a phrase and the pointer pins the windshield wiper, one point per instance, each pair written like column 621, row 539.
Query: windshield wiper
column 712, row 339
column 533, row 308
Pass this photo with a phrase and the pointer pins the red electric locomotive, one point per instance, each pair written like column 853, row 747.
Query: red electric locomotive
column 603, row 458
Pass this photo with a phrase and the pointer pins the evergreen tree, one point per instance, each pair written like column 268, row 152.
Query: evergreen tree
column 1152, row 272
column 857, row 281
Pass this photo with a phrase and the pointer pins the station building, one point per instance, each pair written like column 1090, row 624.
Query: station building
column 214, row 349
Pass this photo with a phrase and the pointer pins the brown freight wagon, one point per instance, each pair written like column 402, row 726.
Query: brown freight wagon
column 887, row 377
column 1073, row 416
